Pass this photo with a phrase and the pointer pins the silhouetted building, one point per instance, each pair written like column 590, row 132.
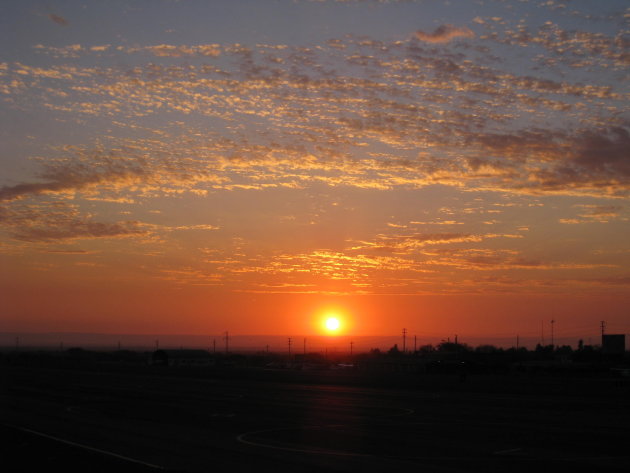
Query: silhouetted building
column 613, row 344
column 182, row 358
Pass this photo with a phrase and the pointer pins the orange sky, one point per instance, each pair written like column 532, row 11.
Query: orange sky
column 193, row 167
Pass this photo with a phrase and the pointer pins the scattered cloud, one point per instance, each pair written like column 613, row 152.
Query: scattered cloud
column 444, row 34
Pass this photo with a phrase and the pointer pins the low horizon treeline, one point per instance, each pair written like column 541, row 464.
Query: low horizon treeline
column 444, row 348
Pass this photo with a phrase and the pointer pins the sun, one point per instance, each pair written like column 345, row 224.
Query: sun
column 332, row 324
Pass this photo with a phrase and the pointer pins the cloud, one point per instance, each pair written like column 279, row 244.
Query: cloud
column 405, row 244
column 594, row 213
column 604, row 151
column 170, row 50
column 57, row 221
column 600, row 211
column 400, row 115
column 75, row 229
column 70, row 252
column 610, row 281
column 597, row 159
column 58, row 19
column 588, row 161
column 444, row 34
column 75, row 176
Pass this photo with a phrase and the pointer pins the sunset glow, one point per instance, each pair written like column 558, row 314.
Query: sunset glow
column 197, row 167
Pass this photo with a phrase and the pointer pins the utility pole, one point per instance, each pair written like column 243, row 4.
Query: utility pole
column 351, row 343
column 404, row 340
column 305, row 346
column 602, row 324
column 214, row 346
column 517, row 342
column 289, row 346
column 415, row 344
column 227, row 342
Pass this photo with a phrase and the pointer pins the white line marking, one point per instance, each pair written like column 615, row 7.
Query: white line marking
column 86, row 447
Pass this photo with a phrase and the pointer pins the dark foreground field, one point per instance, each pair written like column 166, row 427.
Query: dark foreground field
column 102, row 420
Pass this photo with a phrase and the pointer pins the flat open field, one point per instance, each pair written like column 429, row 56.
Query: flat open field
column 81, row 419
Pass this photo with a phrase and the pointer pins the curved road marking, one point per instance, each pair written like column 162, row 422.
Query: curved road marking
column 85, row 447
column 241, row 438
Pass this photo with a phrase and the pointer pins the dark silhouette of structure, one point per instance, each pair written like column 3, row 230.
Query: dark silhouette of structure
column 613, row 344
column 182, row 358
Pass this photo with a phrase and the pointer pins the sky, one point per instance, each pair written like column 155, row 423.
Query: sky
column 448, row 167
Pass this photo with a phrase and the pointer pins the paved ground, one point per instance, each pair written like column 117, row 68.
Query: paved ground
column 84, row 420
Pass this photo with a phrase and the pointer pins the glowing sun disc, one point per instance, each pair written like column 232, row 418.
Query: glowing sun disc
column 332, row 323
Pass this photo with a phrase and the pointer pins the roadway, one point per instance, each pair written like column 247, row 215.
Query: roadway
column 155, row 421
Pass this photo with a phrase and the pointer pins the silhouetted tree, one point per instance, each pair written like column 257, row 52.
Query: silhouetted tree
column 545, row 352
column 564, row 350
column 487, row 349
column 394, row 350
column 426, row 349
column 450, row 347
